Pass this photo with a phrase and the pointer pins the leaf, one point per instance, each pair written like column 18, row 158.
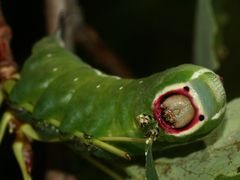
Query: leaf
column 151, row 173
column 206, row 36
column 220, row 160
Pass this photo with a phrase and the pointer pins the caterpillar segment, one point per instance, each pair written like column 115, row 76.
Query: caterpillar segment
column 82, row 99
column 61, row 98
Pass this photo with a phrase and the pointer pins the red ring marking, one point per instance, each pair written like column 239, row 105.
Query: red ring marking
column 167, row 126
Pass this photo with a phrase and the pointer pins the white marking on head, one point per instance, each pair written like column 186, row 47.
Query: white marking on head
column 98, row 86
column 121, row 88
column 219, row 113
column 199, row 73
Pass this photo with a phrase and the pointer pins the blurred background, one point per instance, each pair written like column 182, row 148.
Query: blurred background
column 128, row 38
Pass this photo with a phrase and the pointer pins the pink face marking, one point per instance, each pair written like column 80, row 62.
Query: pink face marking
column 159, row 111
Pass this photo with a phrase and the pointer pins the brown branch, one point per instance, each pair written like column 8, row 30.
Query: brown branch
column 72, row 17
column 94, row 45
column 52, row 10
column 85, row 35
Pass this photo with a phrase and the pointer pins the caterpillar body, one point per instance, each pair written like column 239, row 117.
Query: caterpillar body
column 58, row 97
column 59, row 89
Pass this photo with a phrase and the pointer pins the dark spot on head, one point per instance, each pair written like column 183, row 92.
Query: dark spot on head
column 186, row 88
column 201, row 117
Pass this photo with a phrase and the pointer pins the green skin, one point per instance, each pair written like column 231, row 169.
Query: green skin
column 59, row 89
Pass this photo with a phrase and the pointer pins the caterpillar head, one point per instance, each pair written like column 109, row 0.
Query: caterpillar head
column 189, row 109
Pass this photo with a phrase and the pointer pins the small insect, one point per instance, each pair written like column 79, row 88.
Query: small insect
column 143, row 120
column 60, row 98
column 148, row 125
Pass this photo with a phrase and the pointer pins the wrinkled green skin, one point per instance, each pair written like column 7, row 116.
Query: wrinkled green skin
column 99, row 105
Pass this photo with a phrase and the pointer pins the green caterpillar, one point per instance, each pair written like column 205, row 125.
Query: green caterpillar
column 64, row 99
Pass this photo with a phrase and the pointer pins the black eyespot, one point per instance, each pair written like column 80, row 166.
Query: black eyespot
column 186, row 88
column 201, row 117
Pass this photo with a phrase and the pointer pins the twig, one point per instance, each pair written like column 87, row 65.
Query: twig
column 83, row 34
column 71, row 13
column 94, row 45
column 53, row 9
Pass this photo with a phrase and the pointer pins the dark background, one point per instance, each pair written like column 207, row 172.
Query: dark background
column 148, row 35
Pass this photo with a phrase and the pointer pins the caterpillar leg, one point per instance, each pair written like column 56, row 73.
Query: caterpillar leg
column 6, row 118
column 105, row 146
column 21, row 145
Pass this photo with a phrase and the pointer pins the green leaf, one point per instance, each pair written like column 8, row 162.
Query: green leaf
column 206, row 31
column 218, row 160
column 151, row 173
